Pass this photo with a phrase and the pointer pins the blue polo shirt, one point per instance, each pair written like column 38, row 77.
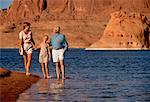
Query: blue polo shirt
column 58, row 41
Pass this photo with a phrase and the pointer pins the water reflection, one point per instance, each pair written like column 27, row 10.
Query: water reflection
column 56, row 90
column 44, row 91
column 43, row 86
column 94, row 76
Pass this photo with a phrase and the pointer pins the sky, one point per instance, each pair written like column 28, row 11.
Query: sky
column 5, row 3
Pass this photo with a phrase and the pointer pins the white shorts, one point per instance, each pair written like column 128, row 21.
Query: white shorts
column 28, row 48
column 58, row 55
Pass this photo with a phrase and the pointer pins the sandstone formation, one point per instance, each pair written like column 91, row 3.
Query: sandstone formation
column 83, row 21
column 72, row 9
column 124, row 31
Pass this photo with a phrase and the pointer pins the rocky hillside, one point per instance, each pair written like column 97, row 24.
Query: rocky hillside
column 73, row 9
column 125, row 31
column 83, row 21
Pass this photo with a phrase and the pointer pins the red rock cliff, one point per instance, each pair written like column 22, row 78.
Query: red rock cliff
column 124, row 31
column 73, row 9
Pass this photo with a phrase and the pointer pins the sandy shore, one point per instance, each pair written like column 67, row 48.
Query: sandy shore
column 13, row 83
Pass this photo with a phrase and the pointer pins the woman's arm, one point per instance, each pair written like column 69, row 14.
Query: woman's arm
column 20, row 44
column 32, row 41
column 20, row 41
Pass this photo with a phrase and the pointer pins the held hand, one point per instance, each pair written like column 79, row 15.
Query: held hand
column 49, row 58
column 34, row 47
column 19, row 50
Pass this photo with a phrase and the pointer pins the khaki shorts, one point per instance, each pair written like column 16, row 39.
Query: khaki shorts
column 58, row 55
column 43, row 58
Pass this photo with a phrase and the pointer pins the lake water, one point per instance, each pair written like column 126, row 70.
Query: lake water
column 92, row 76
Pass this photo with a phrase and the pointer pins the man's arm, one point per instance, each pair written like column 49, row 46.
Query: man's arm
column 65, row 44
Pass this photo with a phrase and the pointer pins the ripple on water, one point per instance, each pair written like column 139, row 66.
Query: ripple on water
column 93, row 76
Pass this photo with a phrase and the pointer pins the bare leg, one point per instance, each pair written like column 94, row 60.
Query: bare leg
column 62, row 69
column 25, row 62
column 57, row 70
column 43, row 71
column 29, row 56
column 47, row 70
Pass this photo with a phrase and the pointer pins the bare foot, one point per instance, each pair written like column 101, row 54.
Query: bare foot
column 28, row 74
column 58, row 79
column 44, row 77
column 63, row 78
column 48, row 77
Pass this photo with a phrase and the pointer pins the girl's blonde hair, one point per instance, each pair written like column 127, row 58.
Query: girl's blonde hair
column 47, row 38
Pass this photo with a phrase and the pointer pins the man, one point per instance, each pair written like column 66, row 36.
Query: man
column 59, row 46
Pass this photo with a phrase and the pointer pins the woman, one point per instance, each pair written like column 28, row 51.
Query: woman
column 26, row 46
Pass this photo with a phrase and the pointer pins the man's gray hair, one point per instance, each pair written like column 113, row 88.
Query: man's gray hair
column 57, row 29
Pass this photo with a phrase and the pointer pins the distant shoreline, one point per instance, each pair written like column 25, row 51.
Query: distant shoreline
column 8, row 47
column 17, row 48
column 115, row 49
column 93, row 49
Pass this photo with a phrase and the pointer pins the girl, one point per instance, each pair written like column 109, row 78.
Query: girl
column 44, row 56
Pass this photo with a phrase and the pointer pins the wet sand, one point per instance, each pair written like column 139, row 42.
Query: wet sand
column 13, row 83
